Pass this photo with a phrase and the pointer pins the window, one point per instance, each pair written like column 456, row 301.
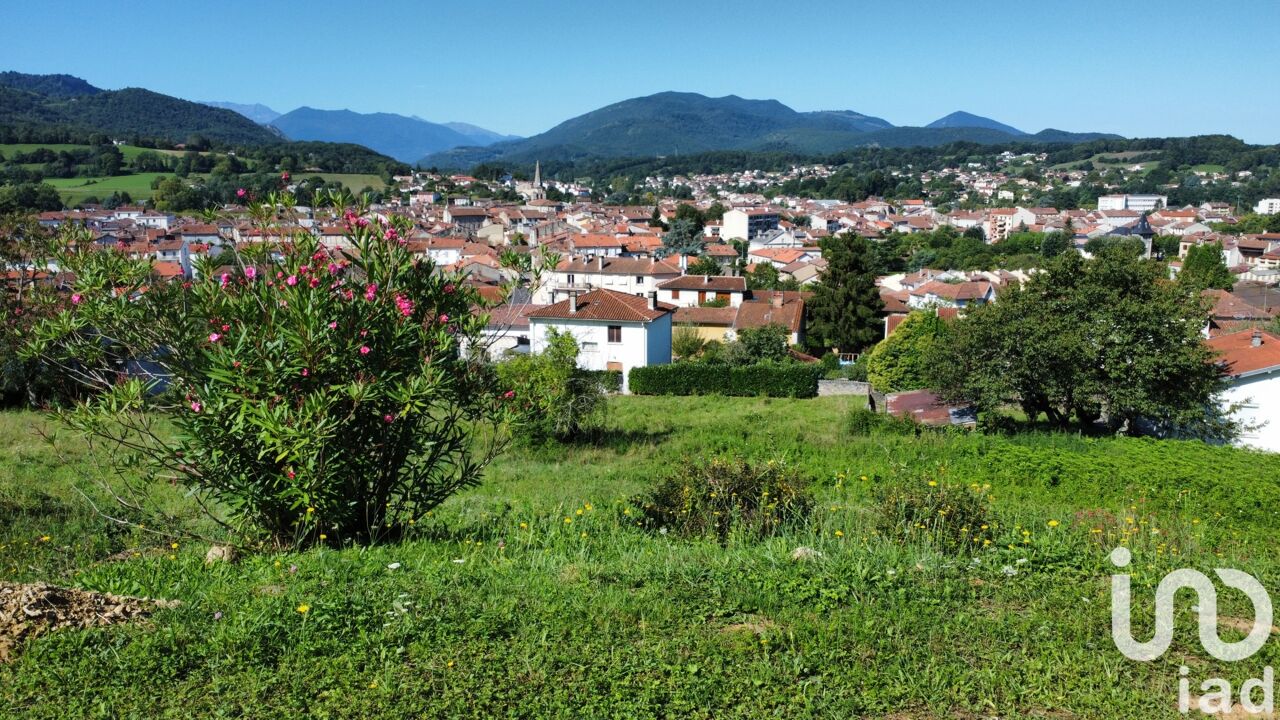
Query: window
column 569, row 279
column 639, row 279
column 615, row 333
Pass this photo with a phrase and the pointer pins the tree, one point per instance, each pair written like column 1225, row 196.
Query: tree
column 555, row 399
column 1205, row 267
column 901, row 361
column 704, row 266
column 1108, row 338
column 757, row 345
column 309, row 395
column 846, row 305
column 1054, row 244
column 686, row 342
column 684, row 238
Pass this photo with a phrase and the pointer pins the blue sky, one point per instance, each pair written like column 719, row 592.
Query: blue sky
column 1135, row 68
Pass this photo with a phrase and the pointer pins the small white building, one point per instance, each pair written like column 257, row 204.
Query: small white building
column 1252, row 361
column 1137, row 203
column 696, row 290
column 614, row 330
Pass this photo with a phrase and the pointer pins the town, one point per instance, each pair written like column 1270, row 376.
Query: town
column 838, row 360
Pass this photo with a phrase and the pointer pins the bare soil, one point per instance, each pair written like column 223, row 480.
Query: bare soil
column 32, row 609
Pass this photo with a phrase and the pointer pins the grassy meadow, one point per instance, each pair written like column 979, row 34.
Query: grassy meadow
column 535, row 594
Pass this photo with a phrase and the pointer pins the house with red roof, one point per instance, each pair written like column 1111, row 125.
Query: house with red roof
column 1251, row 360
column 614, row 330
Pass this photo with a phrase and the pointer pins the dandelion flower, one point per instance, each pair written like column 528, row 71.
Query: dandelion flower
column 304, row 608
column 1054, row 523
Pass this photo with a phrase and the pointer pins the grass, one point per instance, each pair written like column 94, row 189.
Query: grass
column 128, row 151
column 535, row 596
column 354, row 182
column 75, row 190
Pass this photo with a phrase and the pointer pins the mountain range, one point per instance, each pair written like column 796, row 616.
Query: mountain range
column 667, row 123
column 673, row 123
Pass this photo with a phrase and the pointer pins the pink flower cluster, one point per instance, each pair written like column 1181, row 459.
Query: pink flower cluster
column 405, row 305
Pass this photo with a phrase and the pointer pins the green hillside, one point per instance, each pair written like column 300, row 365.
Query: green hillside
column 41, row 101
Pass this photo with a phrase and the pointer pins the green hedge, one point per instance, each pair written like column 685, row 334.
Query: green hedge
column 610, row 379
column 688, row 378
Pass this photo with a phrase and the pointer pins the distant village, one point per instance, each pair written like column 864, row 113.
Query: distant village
column 622, row 294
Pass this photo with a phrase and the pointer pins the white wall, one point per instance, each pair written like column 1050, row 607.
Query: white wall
column 642, row 344
column 1260, row 397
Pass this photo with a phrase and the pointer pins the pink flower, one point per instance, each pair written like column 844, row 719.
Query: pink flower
column 226, row 328
column 364, row 350
column 76, row 299
column 390, row 234
column 285, row 176
column 509, row 394
column 291, row 280
column 362, row 222
column 314, row 281
column 196, row 406
column 371, row 291
column 333, row 268
column 240, row 193
column 405, row 305
column 289, row 474
column 333, row 325
column 223, row 280
column 214, row 337
column 251, row 272
column 444, row 318
column 448, row 289
column 388, row 418
column 305, row 372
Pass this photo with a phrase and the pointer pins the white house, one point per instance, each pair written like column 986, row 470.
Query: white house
column 694, row 290
column 634, row 276
column 614, row 330
column 1137, row 203
column 1252, row 361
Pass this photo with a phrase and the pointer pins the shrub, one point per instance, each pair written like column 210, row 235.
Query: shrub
column 610, row 380
column 862, row 422
column 721, row 495
column 310, row 393
column 554, row 399
column 772, row 380
column 952, row 517
column 995, row 423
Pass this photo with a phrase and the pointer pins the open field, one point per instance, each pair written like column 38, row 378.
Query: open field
column 128, row 151
column 354, row 182
column 75, row 190
column 535, row 595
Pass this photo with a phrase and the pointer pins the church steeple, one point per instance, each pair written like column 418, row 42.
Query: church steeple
column 537, row 173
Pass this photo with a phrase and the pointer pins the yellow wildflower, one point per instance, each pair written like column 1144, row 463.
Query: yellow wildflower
column 304, row 608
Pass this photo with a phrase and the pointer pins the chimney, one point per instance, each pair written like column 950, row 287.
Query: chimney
column 1257, row 338
column 776, row 300
column 653, row 300
column 706, row 279
column 599, row 263
column 573, row 303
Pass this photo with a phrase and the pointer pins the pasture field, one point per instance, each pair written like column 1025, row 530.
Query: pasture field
column 536, row 595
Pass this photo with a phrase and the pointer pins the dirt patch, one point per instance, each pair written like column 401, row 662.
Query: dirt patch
column 753, row 624
column 1242, row 624
column 29, row 610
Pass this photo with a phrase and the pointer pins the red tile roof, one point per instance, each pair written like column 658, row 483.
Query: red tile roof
column 1240, row 356
column 604, row 305
column 717, row 283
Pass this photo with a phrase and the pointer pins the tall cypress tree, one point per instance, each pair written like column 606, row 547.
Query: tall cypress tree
column 845, row 309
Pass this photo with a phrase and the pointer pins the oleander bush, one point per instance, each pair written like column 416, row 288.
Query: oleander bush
column 312, row 394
